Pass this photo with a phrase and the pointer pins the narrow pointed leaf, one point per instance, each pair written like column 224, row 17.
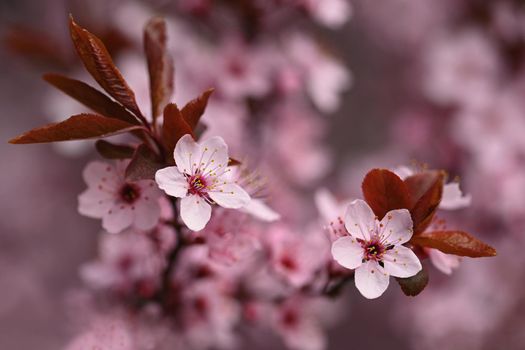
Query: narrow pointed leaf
column 160, row 65
column 77, row 127
column 100, row 65
column 384, row 191
column 194, row 109
column 173, row 128
column 414, row 285
column 143, row 165
column 455, row 242
column 90, row 97
column 426, row 190
column 110, row 150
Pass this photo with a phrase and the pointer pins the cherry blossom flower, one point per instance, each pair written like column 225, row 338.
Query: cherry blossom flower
column 231, row 237
column 209, row 316
column 201, row 179
column 240, row 70
column 118, row 202
column 461, row 68
column 324, row 77
column 296, row 258
column 131, row 261
column 299, row 326
column 374, row 248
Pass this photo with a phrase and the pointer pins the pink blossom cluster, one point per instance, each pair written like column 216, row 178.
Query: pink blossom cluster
column 209, row 251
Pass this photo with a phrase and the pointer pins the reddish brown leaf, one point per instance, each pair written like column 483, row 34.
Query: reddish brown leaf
column 425, row 191
column 90, row 97
column 384, row 191
column 143, row 165
column 173, row 128
column 110, row 150
column 194, row 109
column 454, row 242
column 160, row 65
column 414, row 285
column 77, row 127
column 99, row 64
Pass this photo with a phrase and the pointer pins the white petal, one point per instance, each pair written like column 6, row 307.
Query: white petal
column 214, row 158
column 371, row 280
column 401, row 262
column 347, row 252
column 396, row 227
column 117, row 218
column 453, row 198
column 195, row 212
column 171, row 181
column 230, row 196
column 95, row 203
column 360, row 220
column 186, row 153
column 147, row 213
column 261, row 211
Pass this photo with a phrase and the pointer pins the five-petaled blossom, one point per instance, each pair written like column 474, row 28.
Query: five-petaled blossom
column 119, row 203
column 374, row 248
column 201, row 178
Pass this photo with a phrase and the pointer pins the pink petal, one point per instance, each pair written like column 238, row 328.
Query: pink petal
column 305, row 335
column 327, row 204
column 187, row 152
column 214, row 156
column 195, row 212
column 396, row 227
column 371, row 280
column 171, row 181
column 147, row 213
column 95, row 203
column 401, row 262
column 149, row 188
column 347, row 252
column 445, row 263
column 230, row 196
column 360, row 220
column 117, row 218
column 96, row 173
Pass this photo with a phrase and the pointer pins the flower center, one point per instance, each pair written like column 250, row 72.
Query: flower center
column 129, row 193
column 290, row 318
column 373, row 250
column 288, row 263
column 236, row 68
column 198, row 185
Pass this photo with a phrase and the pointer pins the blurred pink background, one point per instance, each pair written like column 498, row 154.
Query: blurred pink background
column 386, row 118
